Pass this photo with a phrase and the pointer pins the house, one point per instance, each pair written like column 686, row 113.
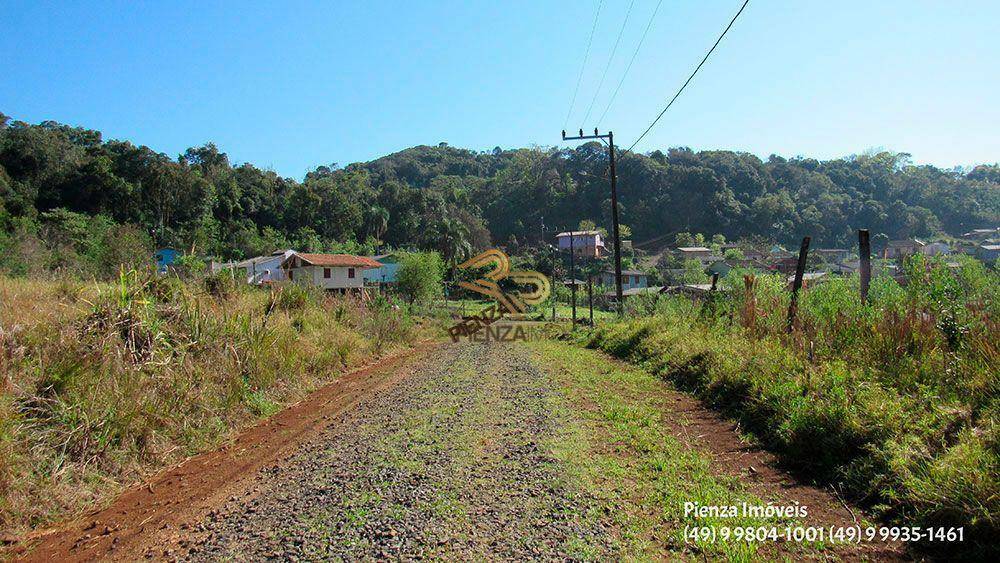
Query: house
column 980, row 235
column 988, row 252
column 329, row 271
column 786, row 265
column 582, row 243
column 165, row 258
column 386, row 273
column 936, row 248
column 897, row 249
column 702, row 254
column 630, row 279
column 265, row 269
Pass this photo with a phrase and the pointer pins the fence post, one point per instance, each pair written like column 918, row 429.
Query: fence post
column 865, row 263
column 800, row 269
column 590, row 297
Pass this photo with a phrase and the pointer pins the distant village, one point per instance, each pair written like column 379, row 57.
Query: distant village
column 667, row 269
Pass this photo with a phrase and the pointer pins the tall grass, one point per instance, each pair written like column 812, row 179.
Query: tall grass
column 102, row 384
column 895, row 402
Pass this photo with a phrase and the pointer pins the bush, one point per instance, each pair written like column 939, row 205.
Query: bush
column 420, row 276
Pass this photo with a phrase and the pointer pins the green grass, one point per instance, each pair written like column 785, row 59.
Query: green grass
column 895, row 402
column 620, row 448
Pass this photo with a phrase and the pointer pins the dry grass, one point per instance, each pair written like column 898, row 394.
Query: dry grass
column 103, row 384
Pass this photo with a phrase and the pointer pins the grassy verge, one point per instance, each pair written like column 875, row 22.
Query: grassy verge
column 895, row 402
column 104, row 384
column 621, row 449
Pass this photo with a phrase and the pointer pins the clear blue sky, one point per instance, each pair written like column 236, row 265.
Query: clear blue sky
column 290, row 85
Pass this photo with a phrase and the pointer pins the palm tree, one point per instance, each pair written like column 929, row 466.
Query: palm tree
column 451, row 237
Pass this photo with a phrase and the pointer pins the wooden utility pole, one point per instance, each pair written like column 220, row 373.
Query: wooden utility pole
column 552, row 255
column 572, row 272
column 614, row 206
column 800, row 269
column 865, row 263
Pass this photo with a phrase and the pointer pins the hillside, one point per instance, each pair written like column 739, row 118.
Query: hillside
column 71, row 200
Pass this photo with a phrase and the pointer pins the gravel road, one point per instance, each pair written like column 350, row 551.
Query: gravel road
column 450, row 463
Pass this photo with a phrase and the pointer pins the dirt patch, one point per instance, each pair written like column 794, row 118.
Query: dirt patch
column 143, row 515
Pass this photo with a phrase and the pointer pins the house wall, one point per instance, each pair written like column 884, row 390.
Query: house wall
column 338, row 277
column 267, row 270
column 628, row 280
column 586, row 245
column 389, row 269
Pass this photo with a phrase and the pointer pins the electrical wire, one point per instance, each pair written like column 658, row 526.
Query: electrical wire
column 608, row 66
column 586, row 54
column 629, row 67
column 686, row 82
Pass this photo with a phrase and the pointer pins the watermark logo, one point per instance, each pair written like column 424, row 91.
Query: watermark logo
column 511, row 304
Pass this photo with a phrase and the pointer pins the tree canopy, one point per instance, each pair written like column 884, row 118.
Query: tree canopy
column 457, row 201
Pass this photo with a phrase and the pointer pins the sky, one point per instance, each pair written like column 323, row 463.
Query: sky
column 290, row 86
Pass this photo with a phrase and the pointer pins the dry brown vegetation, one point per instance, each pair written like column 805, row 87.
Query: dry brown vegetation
column 102, row 384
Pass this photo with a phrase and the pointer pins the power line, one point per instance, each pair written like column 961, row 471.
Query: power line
column 629, row 67
column 586, row 54
column 608, row 66
column 686, row 82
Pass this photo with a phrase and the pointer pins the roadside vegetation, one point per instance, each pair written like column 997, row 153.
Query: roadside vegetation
column 104, row 383
column 624, row 449
column 895, row 403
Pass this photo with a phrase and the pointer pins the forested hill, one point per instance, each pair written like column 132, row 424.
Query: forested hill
column 53, row 176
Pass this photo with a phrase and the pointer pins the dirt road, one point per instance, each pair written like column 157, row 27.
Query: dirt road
column 462, row 451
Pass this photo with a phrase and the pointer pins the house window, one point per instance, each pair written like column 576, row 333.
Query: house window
column 326, row 273
column 350, row 273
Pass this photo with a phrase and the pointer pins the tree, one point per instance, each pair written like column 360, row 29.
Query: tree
column 420, row 276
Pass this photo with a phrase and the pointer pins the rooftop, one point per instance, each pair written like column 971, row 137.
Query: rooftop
column 339, row 260
column 577, row 233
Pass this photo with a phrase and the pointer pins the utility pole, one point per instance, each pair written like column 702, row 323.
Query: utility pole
column 614, row 205
column 572, row 272
column 552, row 257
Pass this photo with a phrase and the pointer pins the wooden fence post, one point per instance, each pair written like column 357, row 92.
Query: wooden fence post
column 590, row 297
column 800, row 269
column 865, row 263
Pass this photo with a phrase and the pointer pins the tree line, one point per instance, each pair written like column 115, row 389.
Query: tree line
column 70, row 199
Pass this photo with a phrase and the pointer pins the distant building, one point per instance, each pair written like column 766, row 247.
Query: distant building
column 631, row 279
column 936, row 248
column 386, row 273
column 261, row 269
column 329, row 271
column 897, row 249
column 583, row 243
column 982, row 234
column 988, row 252
column 165, row 258
column 702, row 254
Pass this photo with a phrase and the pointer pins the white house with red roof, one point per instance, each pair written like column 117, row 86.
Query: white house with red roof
column 329, row 271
